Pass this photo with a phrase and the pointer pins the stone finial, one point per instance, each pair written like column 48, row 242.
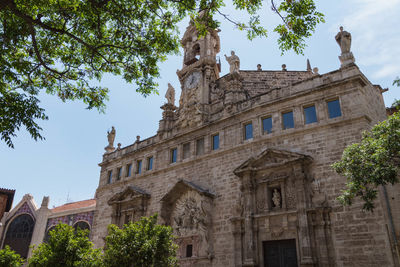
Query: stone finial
column 45, row 202
column 309, row 66
column 111, row 138
column 27, row 197
column 137, row 138
column 234, row 63
column 284, row 67
column 315, row 71
column 119, row 146
column 170, row 95
column 259, row 67
column 343, row 38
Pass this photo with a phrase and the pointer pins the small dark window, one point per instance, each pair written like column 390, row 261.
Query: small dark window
column 139, row 167
column 267, row 125
column 215, row 142
column 128, row 170
column 150, row 163
column 174, row 154
column 109, row 180
column 288, row 121
column 248, row 131
column 119, row 173
column 189, row 251
column 186, row 150
column 310, row 115
column 200, row 146
column 334, row 109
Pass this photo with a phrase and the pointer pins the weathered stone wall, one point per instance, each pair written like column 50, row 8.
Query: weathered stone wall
column 357, row 238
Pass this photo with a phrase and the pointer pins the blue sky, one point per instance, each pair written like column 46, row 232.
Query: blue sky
column 65, row 165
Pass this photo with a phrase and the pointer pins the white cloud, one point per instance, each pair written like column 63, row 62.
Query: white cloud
column 375, row 28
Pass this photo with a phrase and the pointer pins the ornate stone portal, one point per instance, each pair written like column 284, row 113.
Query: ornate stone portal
column 129, row 205
column 187, row 208
column 275, row 207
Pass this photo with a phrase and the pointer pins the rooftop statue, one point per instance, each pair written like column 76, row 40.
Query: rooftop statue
column 234, row 62
column 343, row 38
column 170, row 95
column 111, row 137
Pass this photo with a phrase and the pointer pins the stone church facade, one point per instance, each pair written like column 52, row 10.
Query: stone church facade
column 241, row 167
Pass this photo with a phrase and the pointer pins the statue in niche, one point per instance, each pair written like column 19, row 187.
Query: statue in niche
column 234, row 62
column 343, row 38
column 111, row 137
column 276, row 198
column 170, row 94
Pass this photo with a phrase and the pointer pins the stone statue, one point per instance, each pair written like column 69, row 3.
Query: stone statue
column 170, row 95
column 234, row 62
column 111, row 137
column 343, row 38
column 276, row 198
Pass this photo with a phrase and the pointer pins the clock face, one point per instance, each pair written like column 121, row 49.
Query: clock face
column 192, row 80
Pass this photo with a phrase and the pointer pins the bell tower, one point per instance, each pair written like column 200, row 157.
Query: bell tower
column 200, row 66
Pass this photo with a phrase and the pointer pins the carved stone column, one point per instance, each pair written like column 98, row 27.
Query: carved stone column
column 305, row 252
column 249, row 258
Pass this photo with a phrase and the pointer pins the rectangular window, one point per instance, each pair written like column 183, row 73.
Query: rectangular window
column 174, row 155
column 186, row 150
column 288, row 121
column 189, row 251
column 139, row 167
column 310, row 115
column 334, row 108
column 150, row 163
column 215, row 142
column 109, row 179
column 128, row 170
column 119, row 173
column 200, row 146
column 267, row 125
column 248, row 131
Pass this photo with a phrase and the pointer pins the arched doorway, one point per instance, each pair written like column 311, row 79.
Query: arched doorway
column 19, row 234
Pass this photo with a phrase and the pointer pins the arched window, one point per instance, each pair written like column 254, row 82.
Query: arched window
column 19, row 234
column 47, row 236
column 82, row 225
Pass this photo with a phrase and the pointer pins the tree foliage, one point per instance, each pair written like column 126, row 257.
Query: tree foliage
column 66, row 247
column 8, row 258
column 140, row 244
column 373, row 162
column 62, row 46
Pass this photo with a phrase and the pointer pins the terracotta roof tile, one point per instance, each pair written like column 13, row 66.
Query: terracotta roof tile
column 75, row 205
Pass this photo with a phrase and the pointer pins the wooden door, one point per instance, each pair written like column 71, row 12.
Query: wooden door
column 280, row 253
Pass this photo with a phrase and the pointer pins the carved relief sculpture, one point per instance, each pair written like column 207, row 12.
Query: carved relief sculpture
column 318, row 197
column 191, row 217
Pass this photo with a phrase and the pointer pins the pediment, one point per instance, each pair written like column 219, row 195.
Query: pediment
column 270, row 158
column 130, row 193
column 181, row 187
